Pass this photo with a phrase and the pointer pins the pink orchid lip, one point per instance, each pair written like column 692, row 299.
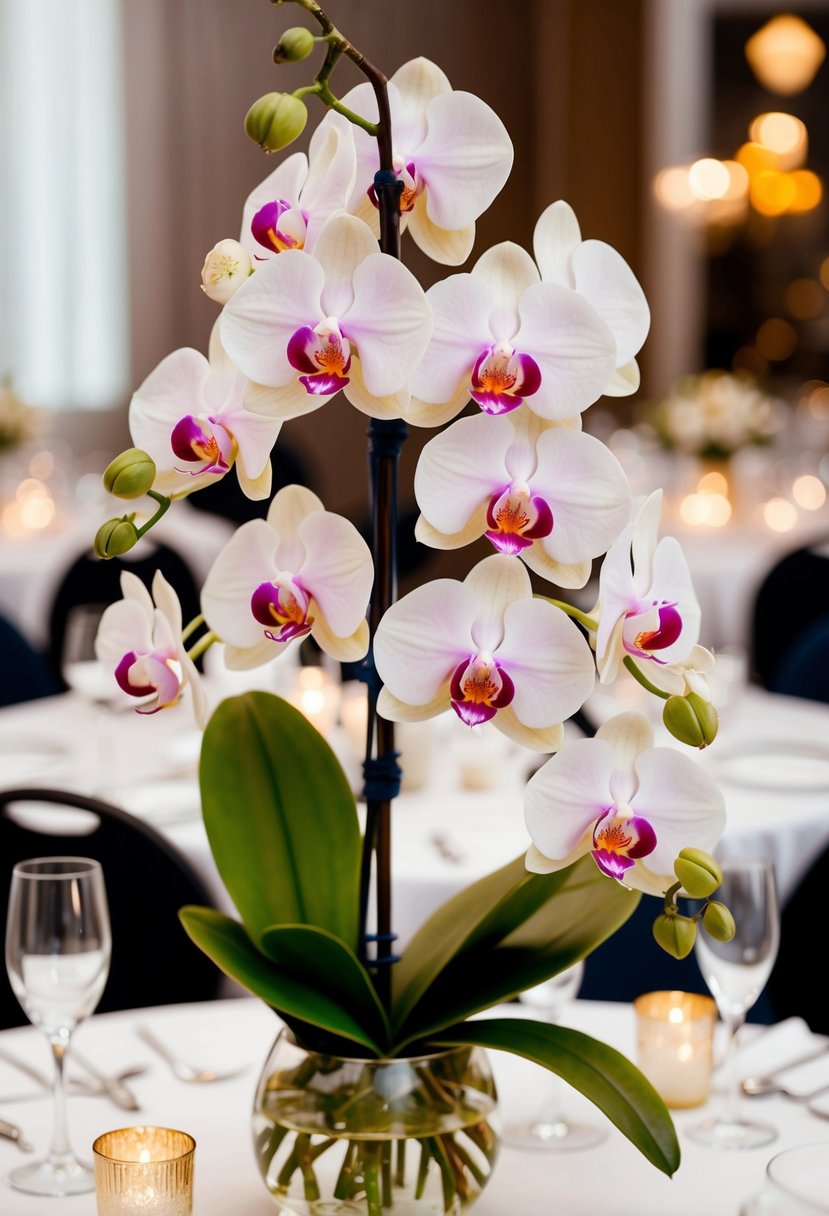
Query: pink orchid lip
column 479, row 687
column 670, row 627
column 286, row 606
column 325, row 360
column 162, row 680
column 122, row 676
column 213, row 450
column 412, row 186
column 619, row 841
column 516, row 519
column 502, row 378
column 265, row 227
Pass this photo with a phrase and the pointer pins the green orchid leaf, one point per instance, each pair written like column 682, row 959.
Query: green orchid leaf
column 599, row 1072
column 324, row 962
column 502, row 934
column 225, row 942
column 280, row 817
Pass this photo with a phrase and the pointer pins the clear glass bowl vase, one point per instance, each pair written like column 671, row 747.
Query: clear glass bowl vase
column 352, row 1137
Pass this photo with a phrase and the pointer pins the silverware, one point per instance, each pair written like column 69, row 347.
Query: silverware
column 12, row 1132
column 446, row 849
column 112, row 1086
column 758, row 1087
column 183, row 1070
column 767, row 1084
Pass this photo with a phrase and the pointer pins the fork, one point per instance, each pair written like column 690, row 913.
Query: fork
column 183, row 1070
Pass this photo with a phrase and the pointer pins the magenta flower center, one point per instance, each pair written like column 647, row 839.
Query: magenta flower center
column 274, row 234
column 619, row 838
column 516, row 518
column 203, row 441
column 157, row 672
column 651, row 627
column 323, row 355
column 479, row 688
column 282, row 605
column 502, row 378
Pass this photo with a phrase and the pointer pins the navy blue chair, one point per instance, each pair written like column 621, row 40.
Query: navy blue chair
column 25, row 674
column 803, row 671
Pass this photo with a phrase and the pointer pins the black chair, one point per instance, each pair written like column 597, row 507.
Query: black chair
column 792, row 598
column 26, row 675
column 803, row 670
column 793, row 987
column 147, row 881
column 91, row 581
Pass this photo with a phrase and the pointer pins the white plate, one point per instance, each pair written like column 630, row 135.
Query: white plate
column 161, row 803
column 27, row 757
column 773, row 764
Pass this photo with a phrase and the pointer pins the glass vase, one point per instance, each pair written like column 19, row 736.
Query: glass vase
column 411, row 1136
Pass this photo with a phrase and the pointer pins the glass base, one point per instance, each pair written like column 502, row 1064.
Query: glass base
column 732, row 1133
column 48, row 1178
column 553, row 1135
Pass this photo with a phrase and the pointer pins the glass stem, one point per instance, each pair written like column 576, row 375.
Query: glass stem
column 550, row 1113
column 60, row 1152
column 731, row 1101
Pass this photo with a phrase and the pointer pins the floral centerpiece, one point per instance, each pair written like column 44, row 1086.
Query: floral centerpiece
column 382, row 1053
column 714, row 414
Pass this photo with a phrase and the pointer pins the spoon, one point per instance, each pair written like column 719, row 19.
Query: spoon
column 757, row 1087
column 183, row 1070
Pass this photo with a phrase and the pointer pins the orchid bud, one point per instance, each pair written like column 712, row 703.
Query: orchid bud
column 130, row 475
column 675, row 934
column 295, row 44
column 691, row 719
column 698, row 872
column 275, row 120
column 225, row 268
column 718, row 921
column 115, row 537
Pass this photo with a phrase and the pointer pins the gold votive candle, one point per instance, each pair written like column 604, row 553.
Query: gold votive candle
column 675, row 1045
column 144, row 1170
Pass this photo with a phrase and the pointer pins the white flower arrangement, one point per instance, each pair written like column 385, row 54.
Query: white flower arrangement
column 716, row 413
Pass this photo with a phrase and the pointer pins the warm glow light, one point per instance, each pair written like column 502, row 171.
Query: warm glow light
column 37, row 512
column 772, row 192
column 818, row 402
column 809, row 492
column 776, row 339
column 785, row 54
column 42, row 465
column 754, row 157
column 317, row 696
column 12, row 523
column 737, row 180
column 709, row 178
column 780, row 515
column 30, row 488
column 673, row 189
column 808, row 190
column 713, row 483
column 824, row 273
column 676, row 1015
column 804, row 298
column 783, row 134
column 749, row 359
column 705, row 510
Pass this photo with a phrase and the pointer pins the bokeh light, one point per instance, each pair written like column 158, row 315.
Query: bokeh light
column 785, row 54
column 804, row 298
column 809, row 492
column 776, row 339
column 709, row 178
column 784, row 135
column 780, row 515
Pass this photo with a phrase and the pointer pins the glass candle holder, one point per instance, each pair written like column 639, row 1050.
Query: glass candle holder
column 675, row 1039
column 146, row 1170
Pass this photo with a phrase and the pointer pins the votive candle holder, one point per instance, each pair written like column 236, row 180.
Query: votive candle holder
column 675, row 1045
column 144, row 1171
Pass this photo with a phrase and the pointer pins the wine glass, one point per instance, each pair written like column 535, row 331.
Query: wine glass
column 736, row 973
column 58, row 946
column 549, row 1128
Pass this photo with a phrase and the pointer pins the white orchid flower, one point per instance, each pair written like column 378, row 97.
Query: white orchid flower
column 550, row 494
column 631, row 805
column 503, row 337
column 303, row 570
column 647, row 607
column 451, row 152
column 141, row 641
column 688, row 675
column 347, row 317
column 596, row 271
column 188, row 415
column 288, row 209
column 486, row 649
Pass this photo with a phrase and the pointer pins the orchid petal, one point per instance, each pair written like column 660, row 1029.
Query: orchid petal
column 548, row 739
column 450, row 248
column 281, row 404
column 536, row 863
column 337, row 571
column 422, row 637
column 246, row 658
column 424, row 414
column 629, row 734
column 496, row 583
column 609, row 663
column 474, row 529
column 461, row 306
column 604, row 278
column 247, row 558
column 284, row 183
column 255, row 488
column 549, row 661
column 393, row 405
column 508, row 270
column 259, row 320
column 169, row 393
column 343, row 243
column 390, row 321
column 395, row 710
column 331, row 173
column 417, row 82
column 681, row 801
column 587, row 490
column 567, row 795
column 344, row 649
column 643, row 541
column 460, row 468
column 124, row 626
column 192, row 678
column 290, row 507
column 569, row 575
column 132, row 588
column 167, row 602
column 557, row 236
column 571, row 344
column 626, row 380
column 672, row 583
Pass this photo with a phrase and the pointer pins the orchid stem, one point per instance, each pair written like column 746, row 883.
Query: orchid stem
column 582, row 617
column 203, row 644
column 643, row 679
column 163, row 505
column 192, row 627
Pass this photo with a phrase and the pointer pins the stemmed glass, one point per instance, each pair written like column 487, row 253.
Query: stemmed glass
column 736, row 973
column 58, row 946
column 550, row 1129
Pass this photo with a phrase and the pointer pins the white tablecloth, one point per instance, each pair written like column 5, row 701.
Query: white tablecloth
column 611, row 1179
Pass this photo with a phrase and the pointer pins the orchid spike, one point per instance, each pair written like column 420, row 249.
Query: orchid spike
column 139, row 638
column 189, row 417
column 550, row 494
column 301, row 571
column 486, row 649
column 631, row 805
column 601, row 275
column 502, row 337
column 347, row 317
column 451, row 152
column 647, row 607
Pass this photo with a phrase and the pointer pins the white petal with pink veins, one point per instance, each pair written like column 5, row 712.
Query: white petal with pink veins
column 247, row 560
column 246, row 658
column 173, row 390
column 629, row 735
column 390, row 321
column 682, row 803
column 331, row 174
column 475, row 528
column 337, row 571
column 604, row 278
column 616, row 589
column 549, row 661
column 508, row 270
column 439, row 244
column 556, row 238
column 284, row 183
column 567, row 795
column 570, row 575
column 461, row 306
column 348, row 649
column 342, row 245
column 417, row 82
column 256, row 325
column 570, row 343
column 460, row 468
column 125, row 625
column 672, row 583
column 423, row 637
column 548, row 739
column 289, row 508
column 496, row 583
column 425, row 414
column 465, row 158
column 393, row 405
column 395, row 710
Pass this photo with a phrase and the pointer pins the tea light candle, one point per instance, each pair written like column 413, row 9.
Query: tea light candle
column 146, row 1170
column 675, row 1036
column 317, row 696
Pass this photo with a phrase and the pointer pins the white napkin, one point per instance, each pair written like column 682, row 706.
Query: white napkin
column 14, row 1084
column 781, row 1050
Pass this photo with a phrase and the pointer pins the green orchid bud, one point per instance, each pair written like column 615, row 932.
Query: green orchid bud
column 115, row 537
column 130, row 475
column 698, row 872
column 691, row 720
column 718, row 921
column 275, row 120
column 675, row 934
column 295, row 44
